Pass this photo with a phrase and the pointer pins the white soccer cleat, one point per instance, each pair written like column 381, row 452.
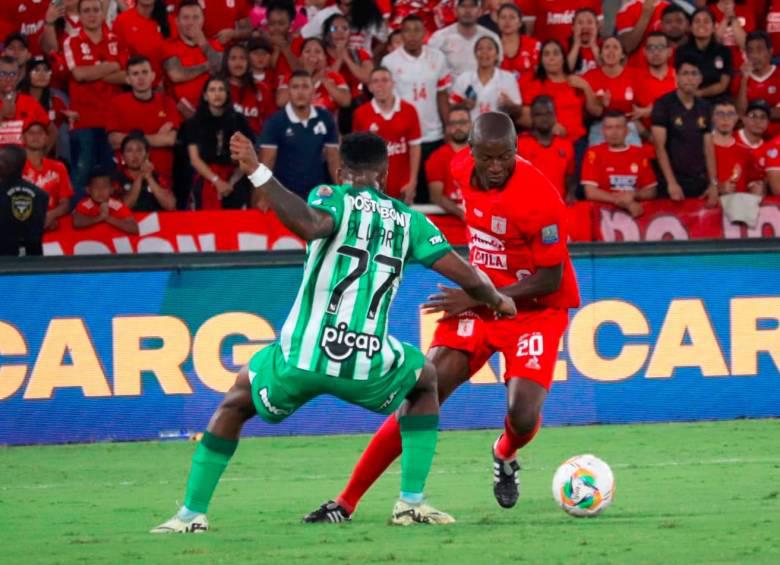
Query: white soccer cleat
column 176, row 525
column 405, row 514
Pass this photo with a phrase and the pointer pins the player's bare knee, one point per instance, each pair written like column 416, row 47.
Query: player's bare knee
column 427, row 381
column 522, row 418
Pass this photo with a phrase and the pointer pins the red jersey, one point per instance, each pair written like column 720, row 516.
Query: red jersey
column 359, row 56
column 619, row 90
column 648, row 88
column 767, row 88
column 255, row 104
column 189, row 56
column 400, row 129
column 757, row 149
column 568, row 103
column 556, row 160
column 28, row 110
column 587, row 61
column 282, row 70
column 116, row 208
column 773, row 25
column 25, row 17
column 736, row 164
column 525, row 59
column 437, row 169
column 129, row 113
column 627, row 18
column 770, row 161
column 321, row 95
column 223, row 14
column 617, row 170
column 51, row 177
column 92, row 99
column 747, row 18
column 142, row 36
column 518, row 229
column 553, row 18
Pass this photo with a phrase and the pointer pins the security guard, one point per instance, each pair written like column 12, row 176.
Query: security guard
column 22, row 207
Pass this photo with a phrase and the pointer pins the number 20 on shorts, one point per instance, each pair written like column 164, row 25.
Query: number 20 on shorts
column 530, row 344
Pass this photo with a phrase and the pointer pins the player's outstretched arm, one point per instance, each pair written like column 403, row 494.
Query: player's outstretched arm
column 303, row 220
column 474, row 282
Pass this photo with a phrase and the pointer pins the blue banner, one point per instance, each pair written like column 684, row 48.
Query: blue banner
column 143, row 355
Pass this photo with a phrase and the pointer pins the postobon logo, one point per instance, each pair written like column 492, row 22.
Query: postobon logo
column 340, row 343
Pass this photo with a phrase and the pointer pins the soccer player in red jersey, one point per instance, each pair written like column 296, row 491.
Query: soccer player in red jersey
column 552, row 155
column 634, row 21
column 737, row 169
column 760, row 79
column 518, row 238
column 395, row 121
column 617, row 173
column 441, row 185
column 47, row 174
column 154, row 113
column 552, row 19
column 190, row 58
column 99, row 206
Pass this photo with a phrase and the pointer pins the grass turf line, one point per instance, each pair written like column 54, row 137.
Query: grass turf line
column 686, row 493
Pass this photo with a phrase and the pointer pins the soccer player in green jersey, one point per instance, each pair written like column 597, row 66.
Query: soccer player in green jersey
column 335, row 338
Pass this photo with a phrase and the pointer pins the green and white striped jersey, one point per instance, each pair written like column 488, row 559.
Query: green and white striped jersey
column 338, row 324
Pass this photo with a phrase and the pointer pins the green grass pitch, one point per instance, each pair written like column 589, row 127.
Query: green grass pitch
column 686, row 493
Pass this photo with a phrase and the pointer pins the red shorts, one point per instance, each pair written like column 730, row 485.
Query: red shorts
column 529, row 342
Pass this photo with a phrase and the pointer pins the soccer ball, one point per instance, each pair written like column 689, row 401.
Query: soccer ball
column 583, row 485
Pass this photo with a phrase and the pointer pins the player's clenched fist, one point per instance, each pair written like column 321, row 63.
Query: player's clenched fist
column 243, row 152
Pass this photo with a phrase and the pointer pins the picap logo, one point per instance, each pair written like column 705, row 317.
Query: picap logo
column 340, row 343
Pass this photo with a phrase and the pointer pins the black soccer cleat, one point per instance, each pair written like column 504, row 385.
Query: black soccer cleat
column 506, row 483
column 329, row 513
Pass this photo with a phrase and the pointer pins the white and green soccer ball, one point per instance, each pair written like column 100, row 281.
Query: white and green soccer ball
column 583, row 485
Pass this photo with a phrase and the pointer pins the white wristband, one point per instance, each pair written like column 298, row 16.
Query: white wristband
column 261, row 176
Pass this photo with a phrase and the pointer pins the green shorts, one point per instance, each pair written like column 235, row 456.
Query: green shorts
column 278, row 390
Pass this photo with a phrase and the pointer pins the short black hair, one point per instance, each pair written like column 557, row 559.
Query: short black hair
column 657, row 34
column 543, row 99
column 458, row 108
column 17, row 157
column 412, row 18
column 137, row 60
column 611, row 113
column 686, row 60
column 135, row 135
column 363, row 150
column 759, row 35
column 281, row 6
column 187, row 3
column 674, row 9
column 98, row 173
column 299, row 73
column 380, row 69
column 260, row 43
column 16, row 36
column 724, row 101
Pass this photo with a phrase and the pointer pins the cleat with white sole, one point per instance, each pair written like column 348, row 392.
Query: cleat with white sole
column 405, row 514
column 197, row 525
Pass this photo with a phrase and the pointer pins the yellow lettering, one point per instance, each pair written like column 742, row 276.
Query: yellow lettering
column 207, row 347
column 62, row 336
column 428, row 327
column 130, row 359
column 687, row 315
column 747, row 341
column 582, row 340
column 11, row 375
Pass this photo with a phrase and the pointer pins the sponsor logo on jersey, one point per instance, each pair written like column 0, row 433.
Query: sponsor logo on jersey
column 263, row 394
column 550, row 234
column 436, row 240
column 465, row 327
column 397, row 148
column 320, row 129
column 482, row 240
column 772, row 153
column 324, row 191
column 365, row 204
column 498, row 225
column 388, row 400
column 560, row 18
column 489, row 260
column 622, row 182
column 339, row 343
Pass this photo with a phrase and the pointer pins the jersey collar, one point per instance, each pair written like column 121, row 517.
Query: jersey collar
column 293, row 117
column 394, row 110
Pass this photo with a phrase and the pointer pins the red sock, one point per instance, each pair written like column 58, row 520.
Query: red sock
column 509, row 442
column 382, row 450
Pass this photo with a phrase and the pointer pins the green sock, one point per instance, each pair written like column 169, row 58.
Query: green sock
column 418, row 443
column 210, row 460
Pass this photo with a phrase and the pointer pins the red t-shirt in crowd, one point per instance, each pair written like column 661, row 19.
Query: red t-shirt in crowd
column 766, row 88
column 189, row 56
column 518, row 229
column 51, row 177
column 354, row 83
column 617, row 170
column 773, row 25
column 627, row 18
column 736, row 163
column 223, row 14
column 116, row 208
column 400, row 129
column 758, row 150
column 556, row 160
column 619, row 91
column 283, row 70
column 437, row 169
column 747, row 18
column 92, row 99
column 587, row 61
column 142, row 36
column 526, row 59
column 28, row 110
column 568, row 103
column 129, row 113
column 553, row 18
column 255, row 104
column 648, row 88
column 770, row 160
column 25, row 17
column 321, row 95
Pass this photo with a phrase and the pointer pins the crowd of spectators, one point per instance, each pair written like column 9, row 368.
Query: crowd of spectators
column 128, row 105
